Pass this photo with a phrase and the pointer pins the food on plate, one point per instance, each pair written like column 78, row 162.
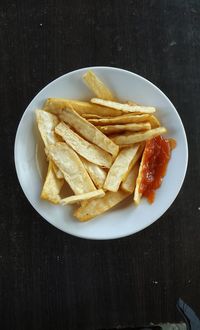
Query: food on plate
column 88, row 131
column 83, row 197
column 90, row 116
column 132, row 103
column 85, row 149
column 57, row 172
column 154, row 121
column 98, row 206
column 52, row 186
column 96, row 172
column 134, row 127
column 104, row 149
column 132, row 138
column 129, row 183
column 56, row 105
column 153, row 167
column 121, row 167
column 97, row 86
column 123, row 107
column 46, row 124
column 124, row 119
column 71, row 167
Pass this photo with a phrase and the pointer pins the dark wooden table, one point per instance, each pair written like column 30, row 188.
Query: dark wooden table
column 51, row 280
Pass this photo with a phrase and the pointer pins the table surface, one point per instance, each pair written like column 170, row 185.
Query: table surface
column 49, row 279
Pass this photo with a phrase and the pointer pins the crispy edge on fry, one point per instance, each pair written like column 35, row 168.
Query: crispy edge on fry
column 132, row 138
column 90, row 116
column 123, row 107
column 129, row 184
column 127, row 118
column 57, row 105
column 97, row 86
column 83, row 197
column 57, row 172
column 84, row 148
column 52, row 186
column 136, row 158
column 89, row 131
column 134, row 127
column 71, row 166
column 121, row 167
column 97, row 173
column 154, row 121
column 137, row 195
column 98, row 206
column 46, row 124
column 131, row 103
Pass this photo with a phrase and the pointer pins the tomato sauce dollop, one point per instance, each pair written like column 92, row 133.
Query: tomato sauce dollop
column 155, row 159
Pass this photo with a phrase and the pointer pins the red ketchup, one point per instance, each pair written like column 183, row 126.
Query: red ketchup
column 155, row 159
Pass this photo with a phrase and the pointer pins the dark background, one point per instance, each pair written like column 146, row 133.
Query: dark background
column 49, row 279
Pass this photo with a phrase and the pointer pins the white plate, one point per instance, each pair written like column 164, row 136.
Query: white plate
column 125, row 219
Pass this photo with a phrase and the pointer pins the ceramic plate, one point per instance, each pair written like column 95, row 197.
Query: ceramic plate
column 125, row 219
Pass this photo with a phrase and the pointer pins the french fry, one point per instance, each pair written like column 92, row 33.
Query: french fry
column 89, row 131
column 121, row 167
column 46, row 124
column 97, row 173
column 134, row 127
column 132, row 138
column 154, row 121
column 129, row 184
column 85, row 149
column 97, row 86
column 136, row 158
column 96, row 207
column 52, row 186
column 57, row 172
column 90, row 116
column 127, row 118
column 137, row 194
column 83, row 197
column 132, row 103
column 57, row 105
column 122, row 146
column 71, row 166
column 123, row 107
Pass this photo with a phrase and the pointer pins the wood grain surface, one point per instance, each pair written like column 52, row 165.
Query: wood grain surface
column 51, row 280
